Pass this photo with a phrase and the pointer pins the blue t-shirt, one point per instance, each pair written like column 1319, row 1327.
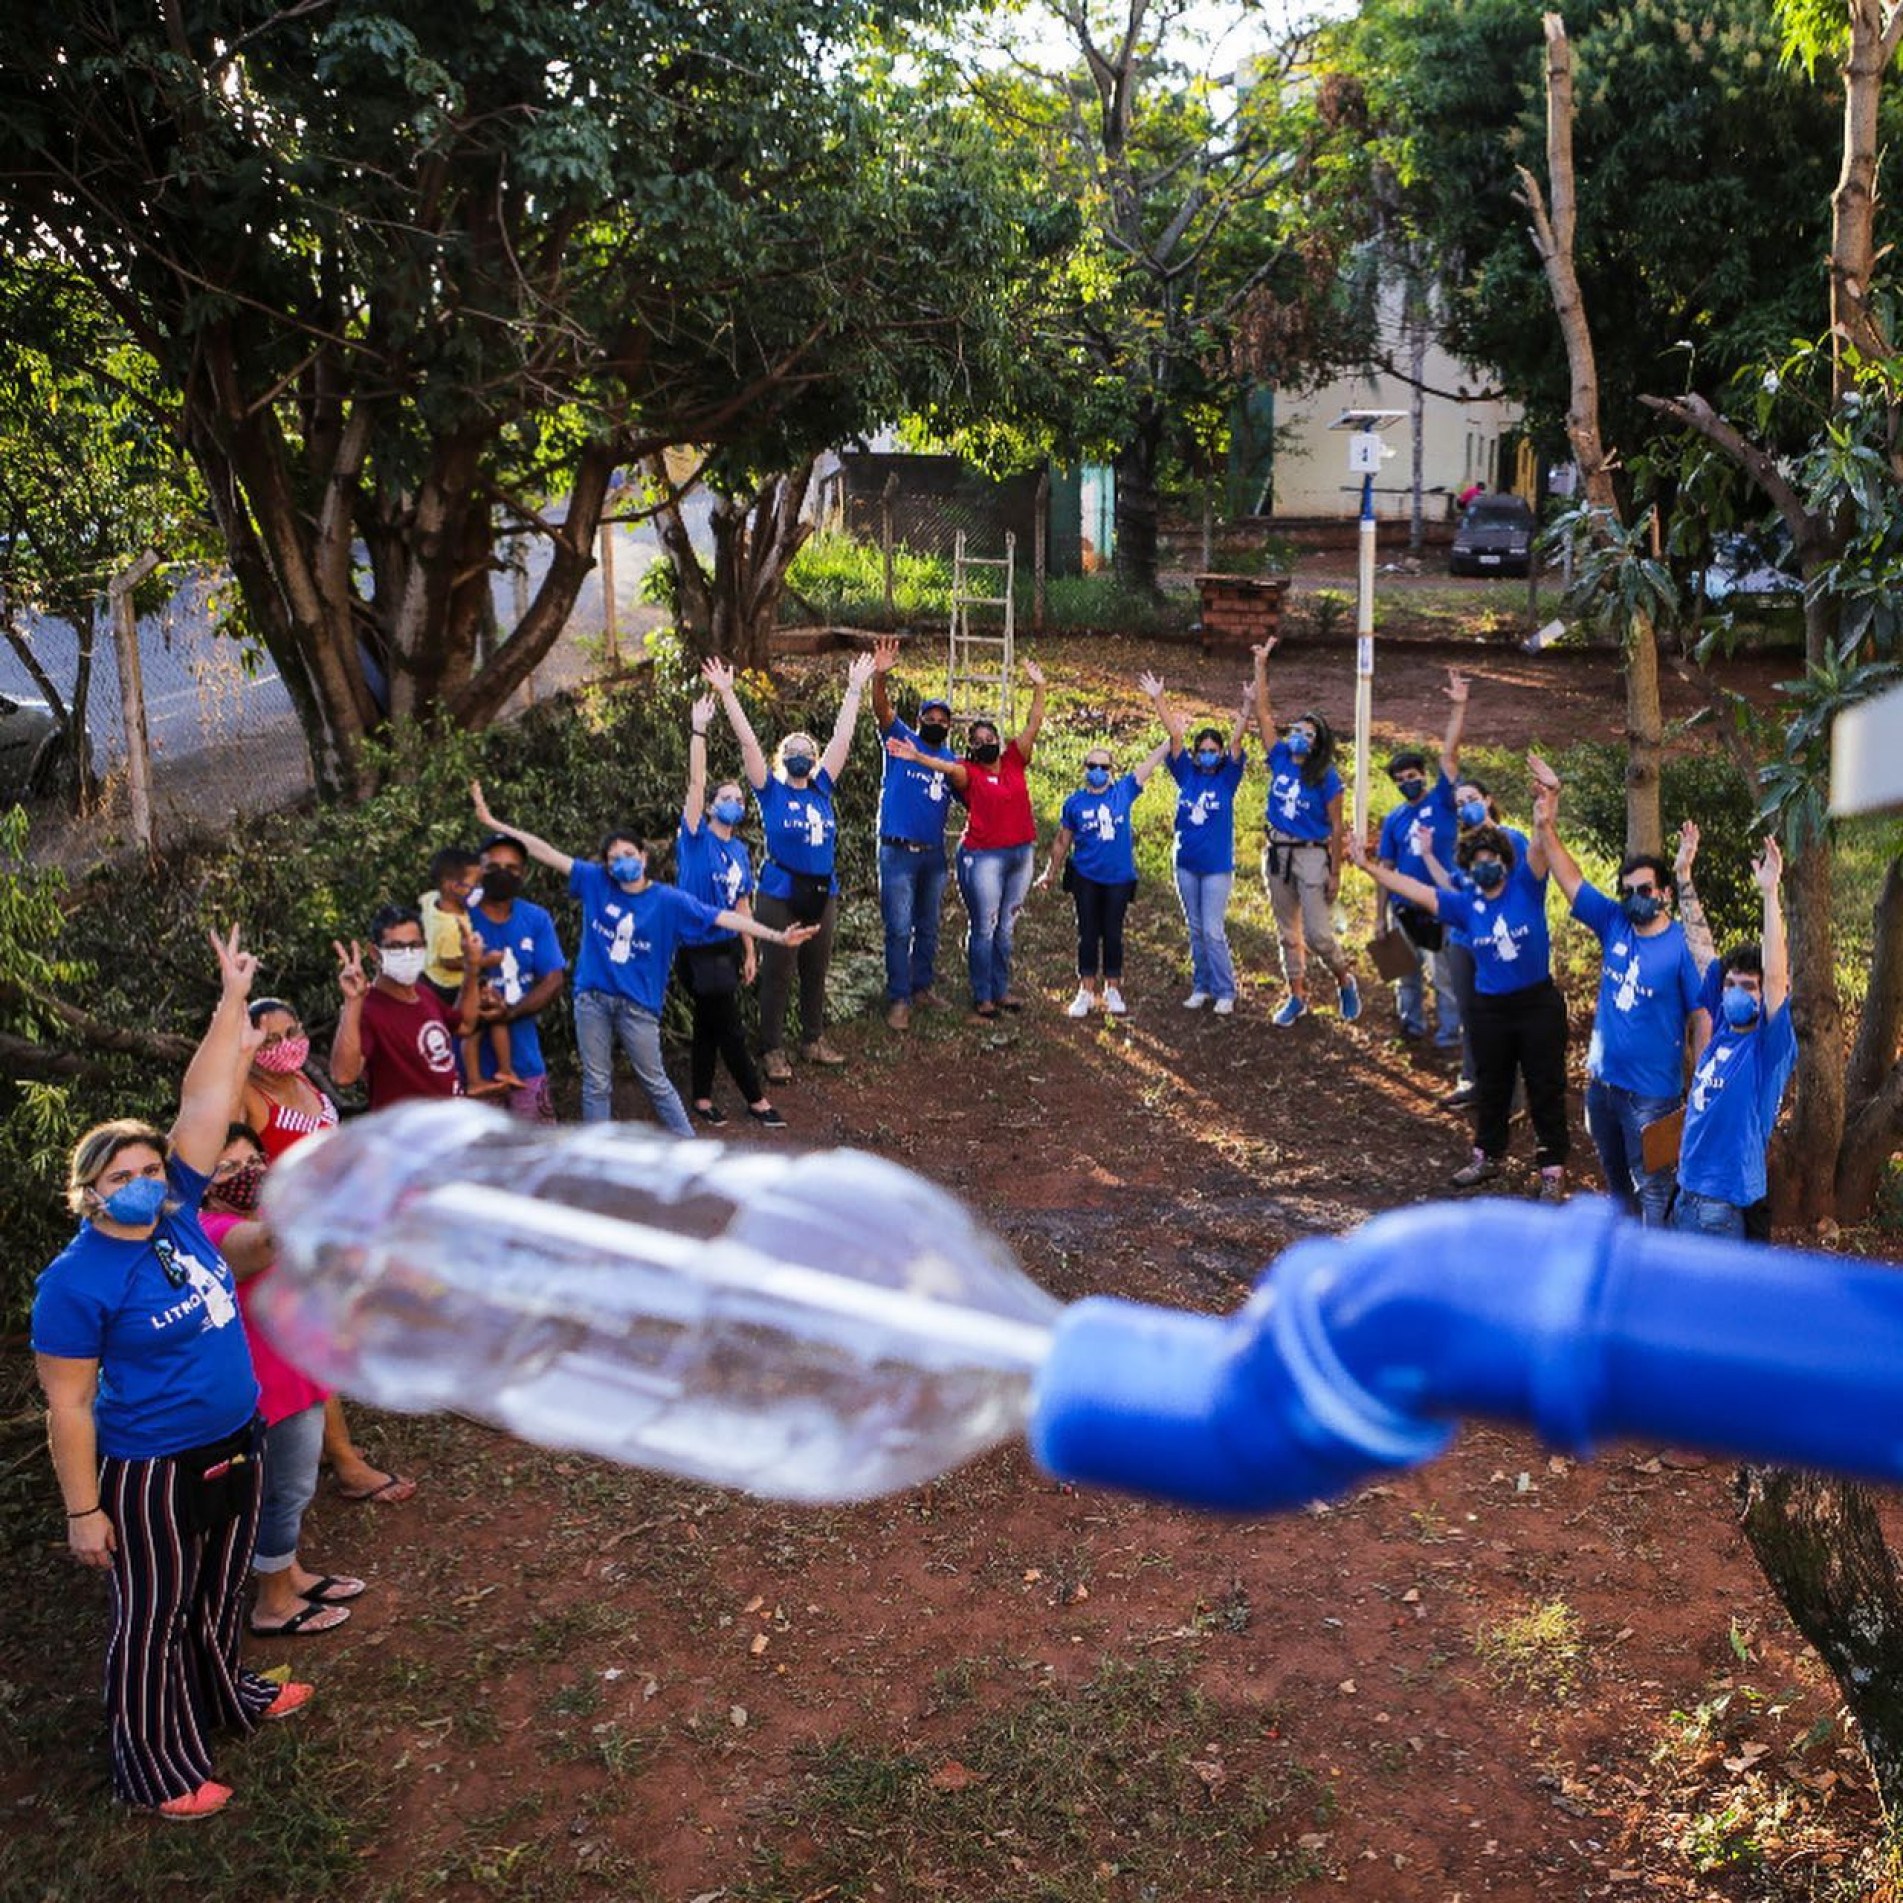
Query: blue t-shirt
column 1455, row 934
column 1731, row 1108
column 160, row 1316
column 628, row 939
column 800, row 828
column 1099, row 826
column 1205, row 812
column 716, row 871
column 1435, row 811
column 1295, row 808
column 1648, row 986
column 1506, row 933
column 530, row 951
column 914, row 802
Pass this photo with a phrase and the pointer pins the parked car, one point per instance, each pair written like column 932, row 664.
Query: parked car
column 1495, row 537
column 32, row 740
column 1742, row 566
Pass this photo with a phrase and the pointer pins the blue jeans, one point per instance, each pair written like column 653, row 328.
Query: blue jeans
column 1707, row 1216
column 992, row 881
column 601, row 1019
column 1205, row 897
column 1616, row 1118
column 292, row 1448
column 911, row 891
column 1410, row 997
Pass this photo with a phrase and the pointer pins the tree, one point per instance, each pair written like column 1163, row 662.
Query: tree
column 406, row 272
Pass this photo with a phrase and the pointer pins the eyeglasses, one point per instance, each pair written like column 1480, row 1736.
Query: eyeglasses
column 230, row 1166
column 1645, row 890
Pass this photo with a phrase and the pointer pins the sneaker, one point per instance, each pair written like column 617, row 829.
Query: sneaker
column 1292, row 1008
column 710, row 1114
column 820, row 1052
column 1079, row 1006
column 1113, row 1001
column 1552, row 1184
column 1462, row 1094
column 207, row 1801
column 1196, row 1000
column 1225, row 1007
column 289, row 1701
column 767, row 1119
column 1350, row 1001
column 1480, row 1169
column 898, row 1016
column 775, row 1068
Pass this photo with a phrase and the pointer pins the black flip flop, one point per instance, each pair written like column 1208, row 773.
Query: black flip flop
column 299, row 1626
column 333, row 1590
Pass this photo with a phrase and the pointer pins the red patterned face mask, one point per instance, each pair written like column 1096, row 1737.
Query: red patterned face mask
column 241, row 1188
column 286, row 1055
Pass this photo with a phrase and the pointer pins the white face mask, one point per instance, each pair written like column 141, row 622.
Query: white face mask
column 403, row 964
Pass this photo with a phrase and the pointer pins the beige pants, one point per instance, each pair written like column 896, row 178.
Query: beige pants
column 1297, row 878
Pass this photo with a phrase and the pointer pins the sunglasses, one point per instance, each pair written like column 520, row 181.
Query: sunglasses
column 1647, row 890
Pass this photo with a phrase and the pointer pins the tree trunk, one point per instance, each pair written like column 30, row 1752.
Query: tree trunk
column 731, row 604
column 1807, row 1191
column 1644, row 739
column 1822, row 1548
column 1136, row 465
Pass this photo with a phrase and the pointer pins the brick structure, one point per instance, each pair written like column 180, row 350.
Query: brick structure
column 1241, row 611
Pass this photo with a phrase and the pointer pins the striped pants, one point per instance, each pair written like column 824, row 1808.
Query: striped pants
column 172, row 1670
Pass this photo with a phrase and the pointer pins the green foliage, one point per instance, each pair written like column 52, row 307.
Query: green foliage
column 840, row 578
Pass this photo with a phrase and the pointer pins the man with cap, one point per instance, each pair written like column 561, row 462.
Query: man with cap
column 914, row 803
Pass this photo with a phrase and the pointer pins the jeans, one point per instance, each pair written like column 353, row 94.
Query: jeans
column 1616, row 1118
column 1525, row 1032
column 601, row 1019
column 292, row 1448
column 1410, row 996
column 1458, row 961
column 992, row 881
column 1707, row 1216
column 911, row 892
column 1205, row 897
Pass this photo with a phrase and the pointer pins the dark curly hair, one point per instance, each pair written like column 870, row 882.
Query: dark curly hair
column 1489, row 838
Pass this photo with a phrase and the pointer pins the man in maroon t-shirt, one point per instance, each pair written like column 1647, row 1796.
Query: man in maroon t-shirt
column 395, row 1033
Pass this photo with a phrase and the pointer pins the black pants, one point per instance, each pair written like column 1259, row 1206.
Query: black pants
column 1525, row 1032
column 718, row 1035
column 1100, row 910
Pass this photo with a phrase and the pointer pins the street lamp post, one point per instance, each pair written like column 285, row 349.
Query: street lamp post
column 1366, row 453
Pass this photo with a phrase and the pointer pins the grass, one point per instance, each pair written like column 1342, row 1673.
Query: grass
column 1539, row 1650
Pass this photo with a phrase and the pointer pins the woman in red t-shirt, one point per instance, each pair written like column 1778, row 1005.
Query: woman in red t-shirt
column 994, row 857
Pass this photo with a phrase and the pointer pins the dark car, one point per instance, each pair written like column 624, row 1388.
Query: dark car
column 1495, row 537
column 31, row 743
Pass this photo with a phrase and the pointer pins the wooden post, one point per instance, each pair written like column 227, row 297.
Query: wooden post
column 887, row 496
column 1040, row 546
column 609, row 629
column 125, row 640
column 519, row 577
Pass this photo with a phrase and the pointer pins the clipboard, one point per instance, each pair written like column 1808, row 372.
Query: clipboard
column 1394, row 955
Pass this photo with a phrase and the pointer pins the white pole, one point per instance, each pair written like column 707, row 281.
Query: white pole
column 1364, row 651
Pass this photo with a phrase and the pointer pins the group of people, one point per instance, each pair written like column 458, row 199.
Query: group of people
column 187, row 1452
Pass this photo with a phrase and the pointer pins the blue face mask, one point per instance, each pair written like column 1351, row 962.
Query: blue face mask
column 1488, row 874
column 1208, row 758
column 1300, row 743
column 730, row 812
column 629, row 868
column 138, row 1202
column 1473, row 812
column 1740, row 1006
column 798, row 765
column 1641, row 907
column 1096, row 778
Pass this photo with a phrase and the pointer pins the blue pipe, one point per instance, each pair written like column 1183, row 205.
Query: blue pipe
column 1356, row 1355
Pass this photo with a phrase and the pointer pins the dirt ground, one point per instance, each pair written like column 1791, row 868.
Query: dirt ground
column 1505, row 1676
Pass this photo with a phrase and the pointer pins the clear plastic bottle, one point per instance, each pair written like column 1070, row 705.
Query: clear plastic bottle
column 820, row 1326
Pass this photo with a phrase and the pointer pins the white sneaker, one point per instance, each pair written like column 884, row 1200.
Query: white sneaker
column 1196, row 1000
column 1080, row 1005
column 1225, row 1007
column 1113, row 1001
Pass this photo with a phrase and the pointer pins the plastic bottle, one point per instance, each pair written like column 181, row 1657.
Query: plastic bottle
column 824, row 1326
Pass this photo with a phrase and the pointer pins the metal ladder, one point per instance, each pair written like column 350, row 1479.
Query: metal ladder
column 979, row 671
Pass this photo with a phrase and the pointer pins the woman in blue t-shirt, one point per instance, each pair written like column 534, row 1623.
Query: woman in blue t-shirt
column 1519, row 1017
column 152, row 1417
column 797, row 881
column 712, row 864
column 1207, row 773
column 1093, row 833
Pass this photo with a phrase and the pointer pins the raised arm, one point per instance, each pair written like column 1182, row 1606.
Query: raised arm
column 1561, row 863
column 1767, row 870
column 695, row 804
column 208, row 1098
column 719, row 676
column 954, row 770
column 1171, row 719
column 1245, row 718
column 1456, row 691
column 1691, row 910
column 1025, row 740
column 885, row 657
column 1545, row 780
column 1422, row 897
column 833, row 760
column 1264, row 708
column 537, row 849
column 346, row 1043
column 1153, row 759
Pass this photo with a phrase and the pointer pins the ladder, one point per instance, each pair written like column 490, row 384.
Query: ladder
column 979, row 670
